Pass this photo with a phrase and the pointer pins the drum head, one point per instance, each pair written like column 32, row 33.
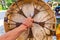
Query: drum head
column 44, row 19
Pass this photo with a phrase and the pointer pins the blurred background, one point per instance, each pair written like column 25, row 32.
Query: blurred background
column 54, row 4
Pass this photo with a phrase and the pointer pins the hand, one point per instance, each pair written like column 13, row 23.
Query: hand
column 28, row 22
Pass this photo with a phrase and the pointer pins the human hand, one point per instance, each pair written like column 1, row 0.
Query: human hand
column 28, row 22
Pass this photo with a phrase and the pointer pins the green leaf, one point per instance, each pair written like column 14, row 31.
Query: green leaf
column 0, row 7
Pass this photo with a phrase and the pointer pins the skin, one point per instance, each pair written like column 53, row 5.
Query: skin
column 13, row 34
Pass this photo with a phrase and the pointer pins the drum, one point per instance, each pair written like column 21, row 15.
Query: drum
column 44, row 19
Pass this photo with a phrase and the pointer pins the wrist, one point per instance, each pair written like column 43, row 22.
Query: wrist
column 23, row 27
